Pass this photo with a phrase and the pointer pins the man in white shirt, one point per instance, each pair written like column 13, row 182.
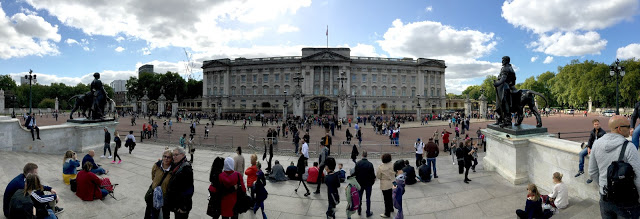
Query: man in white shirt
column 419, row 146
column 305, row 149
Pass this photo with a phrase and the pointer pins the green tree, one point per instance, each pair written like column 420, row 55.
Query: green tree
column 47, row 103
column 489, row 89
column 6, row 83
column 473, row 92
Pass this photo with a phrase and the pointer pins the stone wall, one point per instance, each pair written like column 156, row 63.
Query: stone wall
column 56, row 139
column 534, row 159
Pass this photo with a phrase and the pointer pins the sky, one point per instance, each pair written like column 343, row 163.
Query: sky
column 66, row 41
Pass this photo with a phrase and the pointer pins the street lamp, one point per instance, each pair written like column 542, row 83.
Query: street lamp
column 617, row 70
column 31, row 77
column 286, row 104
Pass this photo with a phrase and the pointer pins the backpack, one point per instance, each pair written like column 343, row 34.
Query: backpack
column 355, row 198
column 620, row 188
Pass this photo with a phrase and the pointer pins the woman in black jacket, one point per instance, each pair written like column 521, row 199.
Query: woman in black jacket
column 302, row 164
column 354, row 153
column 213, row 208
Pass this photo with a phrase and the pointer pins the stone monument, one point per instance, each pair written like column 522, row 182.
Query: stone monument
column 162, row 101
column 418, row 110
column 483, row 106
column 134, row 104
column 467, row 106
column 95, row 101
column 342, row 98
column 298, row 97
column 590, row 105
column 355, row 109
column 144, row 100
column 57, row 103
column 174, row 106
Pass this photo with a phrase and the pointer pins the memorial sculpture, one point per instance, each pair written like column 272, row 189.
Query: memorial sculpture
column 510, row 100
column 94, row 101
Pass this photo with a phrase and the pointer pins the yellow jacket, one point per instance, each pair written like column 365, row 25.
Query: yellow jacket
column 386, row 175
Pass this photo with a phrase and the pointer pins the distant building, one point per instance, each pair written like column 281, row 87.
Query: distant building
column 119, row 85
column 145, row 68
column 24, row 81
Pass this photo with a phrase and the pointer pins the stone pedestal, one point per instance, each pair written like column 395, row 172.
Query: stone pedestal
column 57, row 103
column 355, row 113
column 144, row 104
column 174, row 107
column 467, row 106
column 590, row 105
column 418, row 113
column 508, row 156
column 162, row 101
column 134, row 105
column 284, row 111
column 2, row 101
column 342, row 108
column 483, row 106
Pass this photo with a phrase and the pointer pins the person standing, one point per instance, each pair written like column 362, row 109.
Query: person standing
column 634, row 131
column 107, row 143
column 351, row 183
column 435, row 137
column 304, row 150
column 118, row 142
column 419, row 147
column 386, row 175
column 183, row 141
column 322, row 157
column 359, row 136
column 238, row 161
column 333, row 183
column 398, row 192
column 610, row 148
column 230, row 180
column 366, row 177
column 445, row 140
column 191, row 145
column 215, row 188
column 596, row 134
column 180, row 188
column 432, row 153
column 130, row 140
column 160, row 175
column 31, row 125
column 326, row 142
column 252, row 172
column 296, row 141
column 301, row 166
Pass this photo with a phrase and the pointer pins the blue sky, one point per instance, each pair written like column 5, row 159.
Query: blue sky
column 67, row 40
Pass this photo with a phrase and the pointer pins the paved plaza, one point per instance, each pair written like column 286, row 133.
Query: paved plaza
column 487, row 196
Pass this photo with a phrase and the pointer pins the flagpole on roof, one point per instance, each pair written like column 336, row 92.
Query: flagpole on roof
column 327, row 36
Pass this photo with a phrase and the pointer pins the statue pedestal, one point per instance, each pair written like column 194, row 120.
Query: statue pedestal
column 86, row 121
column 523, row 129
column 509, row 156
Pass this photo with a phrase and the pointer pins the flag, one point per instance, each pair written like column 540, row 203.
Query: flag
column 327, row 30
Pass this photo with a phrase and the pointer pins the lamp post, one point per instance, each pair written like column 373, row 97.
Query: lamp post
column 31, row 77
column 617, row 70
column 286, row 104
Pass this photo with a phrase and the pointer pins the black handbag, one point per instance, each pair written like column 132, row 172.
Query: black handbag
column 243, row 202
column 74, row 184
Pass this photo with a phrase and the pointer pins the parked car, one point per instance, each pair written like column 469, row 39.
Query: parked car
column 569, row 111
column 609, row 113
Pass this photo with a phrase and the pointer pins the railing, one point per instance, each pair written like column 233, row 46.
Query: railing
column 573, row 135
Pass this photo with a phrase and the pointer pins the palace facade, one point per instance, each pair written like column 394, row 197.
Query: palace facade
column 377, row 85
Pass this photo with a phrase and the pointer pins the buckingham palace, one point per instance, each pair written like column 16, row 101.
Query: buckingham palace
column 324, row 81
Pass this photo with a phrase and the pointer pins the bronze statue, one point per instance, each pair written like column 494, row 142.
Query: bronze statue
column 510, row 101
column 99, row 98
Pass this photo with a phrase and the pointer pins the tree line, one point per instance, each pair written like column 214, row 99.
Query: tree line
column 573, row 84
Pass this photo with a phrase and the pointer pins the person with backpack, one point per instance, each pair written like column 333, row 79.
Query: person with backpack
column 160, row 175
column 615, row 166
column 118, row 142
column 352, row 194
column 130, row 141
column 398, row 192
column 230, row 182
column 21, row 206
column 366, row 177
column 432, row 152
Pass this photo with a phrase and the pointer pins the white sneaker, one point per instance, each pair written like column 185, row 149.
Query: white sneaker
column 110, row 157
column 102, row 156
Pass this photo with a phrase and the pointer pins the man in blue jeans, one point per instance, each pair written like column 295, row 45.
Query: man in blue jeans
column 432, row 152
column 365, row 175
column 596, row 133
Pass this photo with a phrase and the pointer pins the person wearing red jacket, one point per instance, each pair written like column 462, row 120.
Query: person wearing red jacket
column 314, row 173
column 88, row 188
column 251, row 172
column 229, row 180
column 445, row 140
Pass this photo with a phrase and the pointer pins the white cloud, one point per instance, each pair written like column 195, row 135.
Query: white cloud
column 429, row 8
column 569, row 44
column 548, row 60
column 27, row 34
column 119, row 49
column 107, row 76
column 567, row 15
column 459, row 48
column 534, row 58
column 629, row 51
column 435, row 40
column 71, row 41
column 456, row 86
column 146, row 51
column 86, row 48
column 197, row 26
column 120, row 38
column 286, row 28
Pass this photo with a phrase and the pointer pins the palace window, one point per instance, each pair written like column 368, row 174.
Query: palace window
column 404, row 91
column 286, row 77
column 243, row 78
column 413, row 92
column 265, row 90
column 326, row 90
column 233, row 79
column 393, row 91
column 316, row 76
column 255, row 78
column 316, row 90
column 335, row 90
column 277, row 90
column 265, row 78
column 364, row 78
column 403, row 78
column 374, row 78
column 353, row 77
column 393, row 79
column 373, row 91
column 413, row 79
column 233, row 90
column 243, row 90
column 276, row 78
column 384, row 91
column 384, row 79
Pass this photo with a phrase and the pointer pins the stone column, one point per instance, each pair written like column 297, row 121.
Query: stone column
column 284, row 110
column 483, row 106
column 219, row 108
column 590, row 105
column 342, row 103
column 144, row 100
column 355, row 111
column 467, row 106
column 174, row 106
column 57, row 103
column 134, row 102
column 2, row 101
column 418, row 113
column 162, row 101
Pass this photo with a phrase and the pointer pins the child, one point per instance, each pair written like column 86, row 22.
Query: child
column 398, row 191
column 259, row 191
column 341, row 173
column 352, row 182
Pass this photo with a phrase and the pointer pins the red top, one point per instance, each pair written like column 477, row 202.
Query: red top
column 313, row 175
column 445, row 137
column 228, row 179
column 251, row 175
column 88, row 186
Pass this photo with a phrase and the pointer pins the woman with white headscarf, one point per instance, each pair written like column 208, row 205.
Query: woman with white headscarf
column 229, row 180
